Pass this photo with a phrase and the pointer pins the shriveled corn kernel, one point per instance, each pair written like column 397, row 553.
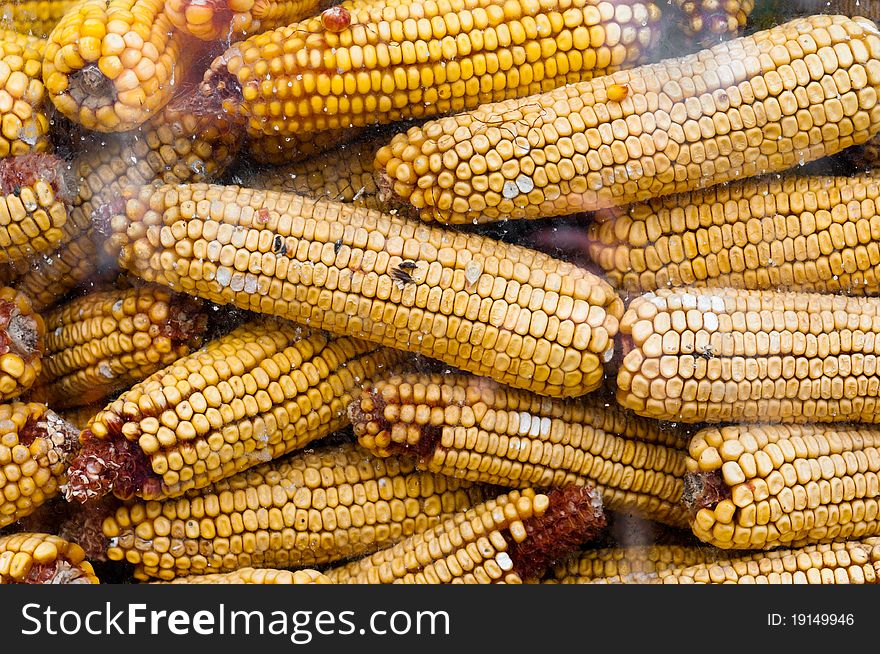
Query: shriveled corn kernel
column 230, row 19
column 22, row 338
column 757, row 104
column 622, row 561
column 554, row 525
column 411, row 59
column 473, row 428
column 262, row 576
column 34, row 17
column 33, row 558
column 107, row 341
column 710, row 21
column 332, row 503
column 492, row 308
column 35, row 449
column 727, row 355
column 852, row 562
column 796, row 233
column 263, row 390
column 24, row 120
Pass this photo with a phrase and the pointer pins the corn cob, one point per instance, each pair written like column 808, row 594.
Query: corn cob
column 112, row 64
column 34, row 199
column 35, row 447
column 761, row 486
column 725, row 355
column 259, row 392
column 30, row 558
column 24, row 123
column 624, row 561
column 266, row 576
column 107, row 341
column 308, row 509
column 509, row 539
column 80, row 416
column 798, row 233
column 409, row 59
column 867, row 156
column 212, row 20
column 494, row 309
column 472, row 428
column 709, row 21
column 33, row 17
column 853, row 562
column 22, row 342
column 291, row 148
column 757, row 104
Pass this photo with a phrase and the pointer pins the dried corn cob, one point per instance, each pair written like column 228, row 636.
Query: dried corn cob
column 291, row 148
column 623, row 561
column 853, row 562
column 30, row 558
column 112, row 64
column 22, row 338
column 263, row 390
column 35, row 447
column 473, row 428
column 304, row 510
column 408, row 59
column 491, row 308
column 722, row 355
column 758, row 104
column 266, row 576
column 212, row 20
column 109, row 340
column 709, row 21
column 80, row 416
column 24, row 123
column 34, row 17
column 799, row 233
column 761, row 486
column 867, row 156
column 34, row 199
column 509, row 539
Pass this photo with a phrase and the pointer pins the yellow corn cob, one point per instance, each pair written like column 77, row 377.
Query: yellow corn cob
column 494, row 309
column 30, row 558
column 259, row 392
column 475, row 429
column 80, row 416
column 797, row 233
column 311, row 508
column 761, row 486
column 408, row 59
column 623, row 561
column 24, row 123
column 722, row 355
column 35, row 447
column 213, row 20
column 112, row 64
column 265, row 576
column 23, row 40
column 853, row 562
column 34, row 17
column 757, row 104
column 107, row 341
column 34, row 199
column 710, row 21
column 22, row 343
column 509, row 539
column 290, row 148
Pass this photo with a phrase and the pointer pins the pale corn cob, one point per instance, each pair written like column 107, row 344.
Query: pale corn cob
column 853, row 562
column 33, row 17
column 232, row 19
column 257, row 393
column 35, row 448
column 762, row 486
column 710, row 21
column 409, row 59
column 475, row 429
column 107, row 341
column 722, row 355
column 24, row 121
column 30, row 558
column 291, row 148
column 308, row 509
column 112, row 64
column 622, row 561
column 509, row 539
column 492, row 308
column 22, row 342
column 757, row 104
column 796, row 233
column 34, row 202
column 263, row 576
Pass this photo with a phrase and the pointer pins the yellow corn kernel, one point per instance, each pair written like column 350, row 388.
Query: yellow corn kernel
column 846, row 7
column 33, row 17
column 233, row 19
column 31, row 558
column 24, row 120
column 625, row 561
column 262, row 576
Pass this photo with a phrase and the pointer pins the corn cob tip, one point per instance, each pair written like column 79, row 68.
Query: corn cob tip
column 219, row 84
column 41, row 558
column 704, row 490
column 104, row 466
column 573, row 517
column 32, row 167
column 373, row 430
column 19, row 332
